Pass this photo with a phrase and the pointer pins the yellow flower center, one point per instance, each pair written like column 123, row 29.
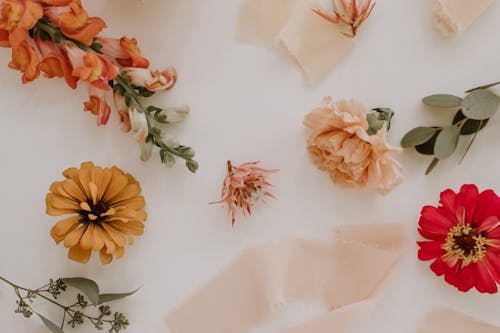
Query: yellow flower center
column 465, row 243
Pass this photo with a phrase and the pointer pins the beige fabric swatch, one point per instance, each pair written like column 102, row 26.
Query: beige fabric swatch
column 454, row 16
column 447, row 320
column 313, row 43
column 344, row 274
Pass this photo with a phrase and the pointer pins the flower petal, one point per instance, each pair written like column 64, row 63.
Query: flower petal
column 485, row 282
column 467, row 198
column 488, row 204
column 430, row 250
column 73, row 237
column 447, row 200
column 76, row 253
column 115, row 235
column 63, row 227
column 105, row 257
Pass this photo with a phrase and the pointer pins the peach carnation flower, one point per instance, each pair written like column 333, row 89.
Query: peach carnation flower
column 105, row 206
column 341, row 146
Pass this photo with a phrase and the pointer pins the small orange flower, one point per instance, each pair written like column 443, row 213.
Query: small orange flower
column 19, row 14
column 55, row 63
column 75, row 22
column 106, row 206
column 57, row 2
column 91, row 67
column 97, row 105
column 124, row 50
column 152, row 80
column 244, row 186
column 351, row 14
column 4, row 38
column 122, row 108
column 24, row 57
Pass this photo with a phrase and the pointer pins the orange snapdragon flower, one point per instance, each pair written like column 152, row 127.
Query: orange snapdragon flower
column 55, row 63
column 4, row 38
column 124, row 50
column 19, row 14
column 74, row 21
column 57, row 2
column 97, row 105
column 91, row 67
column 153, row 80
column 24, row 56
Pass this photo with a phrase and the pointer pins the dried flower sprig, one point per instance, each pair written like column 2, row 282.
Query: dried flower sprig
column 474, row 112
column 76, row 313
column 59, row 39
column 244, row 186
column 351, row 15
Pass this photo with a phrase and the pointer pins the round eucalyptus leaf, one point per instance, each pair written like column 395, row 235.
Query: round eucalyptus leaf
column 480, row 104
column 86, row 286
column 427, row 148
column 442, row 101
column 446, row 142
column 417, row 136
column 470, row 126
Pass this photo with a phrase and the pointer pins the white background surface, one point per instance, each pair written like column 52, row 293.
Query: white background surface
column 247, row 104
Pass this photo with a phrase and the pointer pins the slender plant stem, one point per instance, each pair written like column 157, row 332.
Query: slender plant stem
column 68, row 310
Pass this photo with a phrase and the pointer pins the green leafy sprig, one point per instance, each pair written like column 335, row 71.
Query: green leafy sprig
column 169, row 149
column 472, row 113
column 76, row 313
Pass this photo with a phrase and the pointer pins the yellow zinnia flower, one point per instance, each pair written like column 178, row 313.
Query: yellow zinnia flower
column 106, row 206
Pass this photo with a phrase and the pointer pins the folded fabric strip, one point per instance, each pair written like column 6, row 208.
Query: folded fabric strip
column 454, row 16
column 448, row 320
column 344, row 274
column 313, row 43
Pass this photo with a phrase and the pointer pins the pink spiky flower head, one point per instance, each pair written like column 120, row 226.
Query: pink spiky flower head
column 244, row 186
column 348, row 13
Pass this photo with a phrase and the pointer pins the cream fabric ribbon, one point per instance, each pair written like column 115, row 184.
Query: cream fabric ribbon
column 454, row 16
column 313, row 43
column 448, row 320
column 344, row 274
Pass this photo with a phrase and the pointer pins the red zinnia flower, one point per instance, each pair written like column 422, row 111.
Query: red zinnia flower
column 464, row 238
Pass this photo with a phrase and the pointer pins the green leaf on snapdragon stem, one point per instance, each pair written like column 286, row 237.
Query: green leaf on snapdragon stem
column 442, row 101
column 446, row 142
column 470, row 126
column 86, row 286
column 480, row 104
column 50, row 324
column 418, row 136
column 192, row 165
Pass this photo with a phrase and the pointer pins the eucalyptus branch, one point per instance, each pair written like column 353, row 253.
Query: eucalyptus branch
column 472, row 113
column 75, row 311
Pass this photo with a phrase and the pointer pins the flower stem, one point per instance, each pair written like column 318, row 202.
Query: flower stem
column 68, row 310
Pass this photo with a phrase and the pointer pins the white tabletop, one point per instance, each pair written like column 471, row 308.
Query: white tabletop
column 247, row 104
